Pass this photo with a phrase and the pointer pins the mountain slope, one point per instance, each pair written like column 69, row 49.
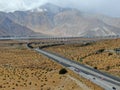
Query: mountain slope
column 54, row 20
column 9, row 28
column 73, row 23
column 36, row 21
column 113, row 21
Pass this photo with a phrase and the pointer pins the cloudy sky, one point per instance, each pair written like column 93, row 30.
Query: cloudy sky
column 108, row 7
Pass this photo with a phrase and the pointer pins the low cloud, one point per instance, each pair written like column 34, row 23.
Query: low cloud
column 108, row 7
column 13, row 5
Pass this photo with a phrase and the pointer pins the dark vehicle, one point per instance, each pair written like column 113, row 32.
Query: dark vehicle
column 113, row 88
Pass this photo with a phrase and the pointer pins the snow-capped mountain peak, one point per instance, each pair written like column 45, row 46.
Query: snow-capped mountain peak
column 38, row 10
column 48, row 7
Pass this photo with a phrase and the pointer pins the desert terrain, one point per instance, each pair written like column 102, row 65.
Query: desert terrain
column 99, row 55
column 24, row 69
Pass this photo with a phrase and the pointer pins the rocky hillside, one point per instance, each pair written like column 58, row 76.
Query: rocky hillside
column 54, row 20
column 10, row 28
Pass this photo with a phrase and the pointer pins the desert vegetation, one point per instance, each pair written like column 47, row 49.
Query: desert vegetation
column 100, row 54
column 24, row 69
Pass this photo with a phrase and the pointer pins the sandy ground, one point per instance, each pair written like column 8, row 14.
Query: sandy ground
column 24, row 69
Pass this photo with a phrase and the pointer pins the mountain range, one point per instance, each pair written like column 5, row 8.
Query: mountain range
column 54, row 20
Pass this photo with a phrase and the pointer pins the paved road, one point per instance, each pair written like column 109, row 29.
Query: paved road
column 104, row 80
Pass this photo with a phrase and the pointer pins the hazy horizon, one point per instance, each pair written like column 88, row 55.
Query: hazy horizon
column 110, row 8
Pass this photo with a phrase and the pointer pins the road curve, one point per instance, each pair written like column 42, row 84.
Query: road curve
column 104, row 80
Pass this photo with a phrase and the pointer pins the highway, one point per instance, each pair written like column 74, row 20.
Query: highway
column 104, row 80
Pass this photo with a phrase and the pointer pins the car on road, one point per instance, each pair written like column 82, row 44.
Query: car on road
column 113, row 88
column 77, row 70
